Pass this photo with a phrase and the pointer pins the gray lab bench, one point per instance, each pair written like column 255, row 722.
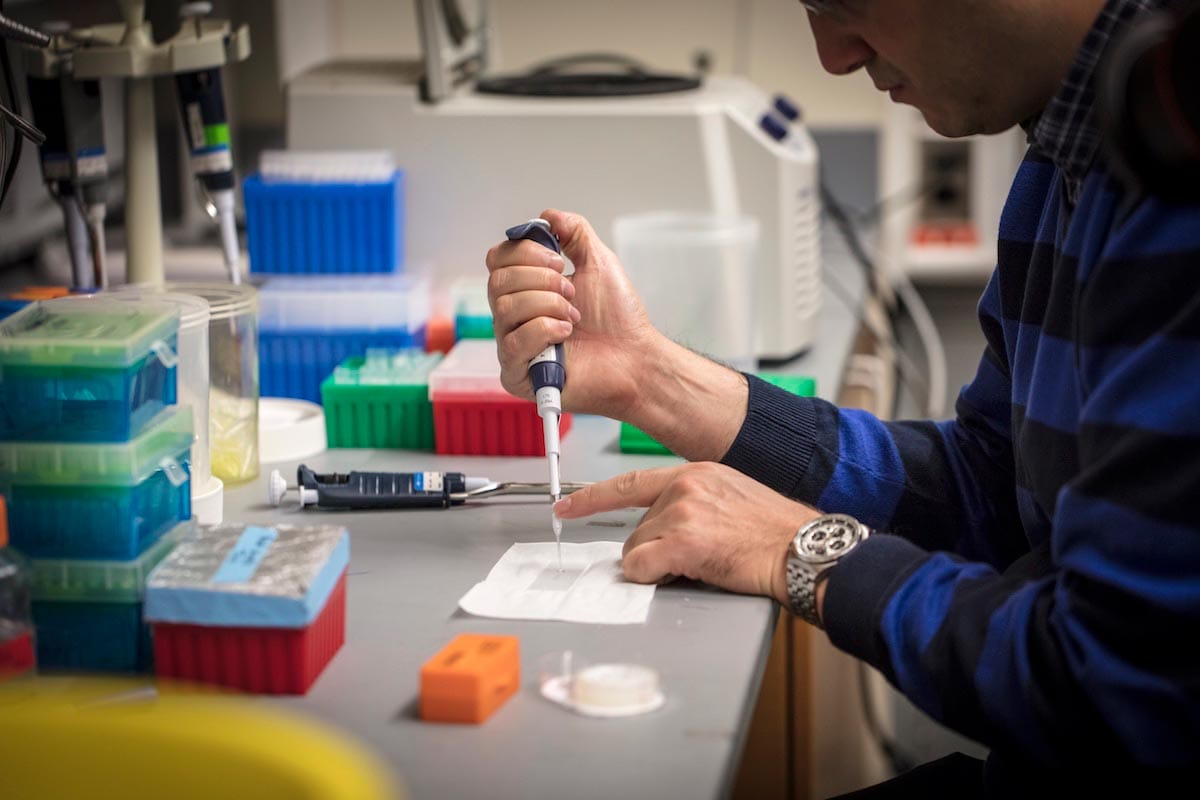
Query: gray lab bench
column 409, row 568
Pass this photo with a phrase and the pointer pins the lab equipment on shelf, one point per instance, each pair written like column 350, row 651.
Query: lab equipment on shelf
column 325, row 212
column 233, row 377
column 472, row 412
column 99, row 500
column 634, row 440
column 88, row 613
column 253, row 608
column 308, row 325
column 16, row 622
column 380, row 400
column 85, row 370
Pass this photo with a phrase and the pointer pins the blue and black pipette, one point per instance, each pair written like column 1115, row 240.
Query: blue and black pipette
column 548, row 374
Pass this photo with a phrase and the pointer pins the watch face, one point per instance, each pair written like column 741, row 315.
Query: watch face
column 827, row 538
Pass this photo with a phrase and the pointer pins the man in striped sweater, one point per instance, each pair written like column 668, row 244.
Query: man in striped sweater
column 1027, row 573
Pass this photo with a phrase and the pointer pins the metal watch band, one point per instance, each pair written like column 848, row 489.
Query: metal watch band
column 801, row 583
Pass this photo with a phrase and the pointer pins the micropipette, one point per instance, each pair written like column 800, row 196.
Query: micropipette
column 74, row 164
column 206, row 129
column 547, row 373
column 392, row 490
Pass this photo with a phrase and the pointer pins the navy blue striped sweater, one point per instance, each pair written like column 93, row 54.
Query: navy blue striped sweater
column 1038, row 588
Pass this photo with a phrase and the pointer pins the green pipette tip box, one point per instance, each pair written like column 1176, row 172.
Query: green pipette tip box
column 633, row 440
column 381, row 400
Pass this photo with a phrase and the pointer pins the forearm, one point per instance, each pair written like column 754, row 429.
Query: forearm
column 689, row 403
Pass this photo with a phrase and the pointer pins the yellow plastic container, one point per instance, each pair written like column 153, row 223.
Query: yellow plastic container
column 129, row 740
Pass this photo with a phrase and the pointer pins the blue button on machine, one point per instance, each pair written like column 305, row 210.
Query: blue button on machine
column 787, row 108
column 774, row 126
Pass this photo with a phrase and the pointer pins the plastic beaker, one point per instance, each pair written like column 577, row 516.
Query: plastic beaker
column 233, row 377
column 696, row 273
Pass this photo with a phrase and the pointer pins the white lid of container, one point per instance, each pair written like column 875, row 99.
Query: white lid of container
column 471, row 367
column 327, row 166
column 345, row 302
column 225, row 300
column 91, row 331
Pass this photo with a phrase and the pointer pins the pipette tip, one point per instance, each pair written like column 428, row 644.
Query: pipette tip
column 556, row 526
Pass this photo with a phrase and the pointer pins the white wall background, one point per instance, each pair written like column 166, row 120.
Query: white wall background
column 767, row 40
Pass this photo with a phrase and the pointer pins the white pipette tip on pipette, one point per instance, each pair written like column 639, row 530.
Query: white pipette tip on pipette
column 550, row 433
column 223, row 199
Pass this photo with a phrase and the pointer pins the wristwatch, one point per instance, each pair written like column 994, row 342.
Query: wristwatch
column 817, row 548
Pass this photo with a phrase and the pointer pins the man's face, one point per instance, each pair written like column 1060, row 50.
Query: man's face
column 969, row 66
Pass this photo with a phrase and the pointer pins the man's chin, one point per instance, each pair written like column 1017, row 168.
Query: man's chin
column 947, row 125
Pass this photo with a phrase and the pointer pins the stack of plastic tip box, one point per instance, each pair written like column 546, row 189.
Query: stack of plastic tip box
column 333, row 222
column 472, row 412
column 252, row 608
column 308, row 325
column 94, row 463
column 380, row 400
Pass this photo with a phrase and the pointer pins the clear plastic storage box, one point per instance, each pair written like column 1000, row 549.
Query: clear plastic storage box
column 309, row 325
column 85, row 370
column 107, row 501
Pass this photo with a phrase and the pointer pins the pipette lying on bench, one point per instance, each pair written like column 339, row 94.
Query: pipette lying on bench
column 396, row 489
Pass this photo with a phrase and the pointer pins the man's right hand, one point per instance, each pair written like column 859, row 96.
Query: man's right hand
column 534, row 305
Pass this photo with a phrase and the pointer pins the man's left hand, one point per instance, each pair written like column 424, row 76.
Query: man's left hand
column 704, row 521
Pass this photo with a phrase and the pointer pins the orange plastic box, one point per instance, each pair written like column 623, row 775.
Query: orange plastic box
column 470, row 678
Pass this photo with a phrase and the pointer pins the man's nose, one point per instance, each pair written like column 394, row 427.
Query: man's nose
column 840, row 49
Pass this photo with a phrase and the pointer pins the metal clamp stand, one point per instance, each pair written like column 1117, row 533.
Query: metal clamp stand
column 128, row 51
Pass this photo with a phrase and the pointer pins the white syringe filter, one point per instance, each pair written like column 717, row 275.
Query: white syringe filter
column 600, row 690
column 616, row 687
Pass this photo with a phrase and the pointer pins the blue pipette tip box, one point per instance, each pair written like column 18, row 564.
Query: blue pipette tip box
column 308, row 228
column 85, row 369
column 99, row 501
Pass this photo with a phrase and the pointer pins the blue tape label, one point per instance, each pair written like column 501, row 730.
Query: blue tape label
column 243, row 560
column 418, row 479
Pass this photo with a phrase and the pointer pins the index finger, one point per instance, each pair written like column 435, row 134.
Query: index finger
column 523, row 252
column 633, row 489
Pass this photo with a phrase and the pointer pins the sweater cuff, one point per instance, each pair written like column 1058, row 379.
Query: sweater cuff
column 777, row 438
column 857, row 593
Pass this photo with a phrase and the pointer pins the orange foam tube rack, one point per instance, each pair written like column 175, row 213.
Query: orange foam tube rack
column 470, row 678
